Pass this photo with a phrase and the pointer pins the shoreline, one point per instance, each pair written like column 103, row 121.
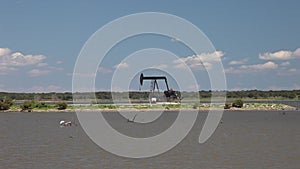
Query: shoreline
column 246, row 107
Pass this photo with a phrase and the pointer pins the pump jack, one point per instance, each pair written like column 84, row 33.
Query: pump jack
column 170, row 94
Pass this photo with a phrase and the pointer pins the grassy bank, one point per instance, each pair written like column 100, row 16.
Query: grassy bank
column 106, row 107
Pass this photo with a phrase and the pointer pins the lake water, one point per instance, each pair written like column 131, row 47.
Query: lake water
column 244, row 140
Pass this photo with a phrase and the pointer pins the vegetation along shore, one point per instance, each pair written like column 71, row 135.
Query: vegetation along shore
column 63, row 102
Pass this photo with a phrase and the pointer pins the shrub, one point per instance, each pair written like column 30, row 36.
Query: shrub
column 28, row 105
column 196, row 106
column 172, row 106
column 238, row 103
column 227, row 106
column 5, row 104
column 107, row 106
column 41, row 106
column 62, row 105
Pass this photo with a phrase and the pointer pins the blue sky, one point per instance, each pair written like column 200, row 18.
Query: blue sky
column 258, row 41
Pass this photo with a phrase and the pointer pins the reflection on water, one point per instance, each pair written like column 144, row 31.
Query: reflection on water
column 244, row 139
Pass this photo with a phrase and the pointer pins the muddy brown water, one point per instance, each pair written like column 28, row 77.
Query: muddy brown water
column 244, row 139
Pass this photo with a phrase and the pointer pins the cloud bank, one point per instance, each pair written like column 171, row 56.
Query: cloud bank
column 200, row 61
column 281, row 55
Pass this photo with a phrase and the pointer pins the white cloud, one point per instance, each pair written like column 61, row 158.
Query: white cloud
column 104, row 70
column 296, row 53
column 121, row 66
column 265, row 66
column 42, row 64
column 11, row 61
column 285, row 64
column 282, row 68
column 4, row 70
column 37, row 72
column 4, row 51
column 288, row 72
column 234, row 62
column 194, row 87
column 281, row 55
column 18, row 59
column 238, row 62
column 54, row 68
column 234, row 70
column 292, row 70
column 59, row 62
column 204, row 57
column 252, row 68
column 242, row 88
column 82, row 74
column 199, row 61
column 280, row 87
column 161, row 66
column 39, row 89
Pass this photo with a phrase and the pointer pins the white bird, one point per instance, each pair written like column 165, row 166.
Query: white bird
column 61, row 122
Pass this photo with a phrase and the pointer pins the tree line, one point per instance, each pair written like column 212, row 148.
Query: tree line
column 136, row 95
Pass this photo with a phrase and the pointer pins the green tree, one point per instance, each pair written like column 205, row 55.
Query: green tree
column 238, row 103
column 227, row 106
column 62, row 105
column 41, row 105
column 5, row 104
column 28, row 105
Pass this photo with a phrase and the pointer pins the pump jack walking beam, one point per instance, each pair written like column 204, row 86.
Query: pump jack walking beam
column 142, row 78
